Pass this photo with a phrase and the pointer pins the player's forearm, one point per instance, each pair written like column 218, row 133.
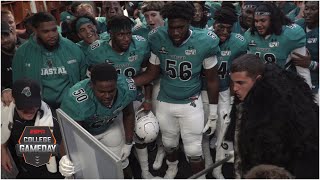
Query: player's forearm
column 212, row 85
column 145, row 77
column 148, row 92
column 213, row 91
column 128, row 122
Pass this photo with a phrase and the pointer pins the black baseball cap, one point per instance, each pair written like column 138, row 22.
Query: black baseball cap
column 5, row 28
column 26, row 93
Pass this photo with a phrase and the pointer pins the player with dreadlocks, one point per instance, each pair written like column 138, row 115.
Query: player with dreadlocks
column 274, row 38
column 200, row 17
column 180, row 53
column 231, row 45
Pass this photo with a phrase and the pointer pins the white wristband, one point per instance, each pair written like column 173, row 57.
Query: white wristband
column 213, row 109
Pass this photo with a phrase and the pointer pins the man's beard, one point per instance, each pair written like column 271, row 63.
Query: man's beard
column 48, row 47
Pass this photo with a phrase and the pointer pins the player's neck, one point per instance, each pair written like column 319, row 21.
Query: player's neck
column 312, row 26
column 115, row 48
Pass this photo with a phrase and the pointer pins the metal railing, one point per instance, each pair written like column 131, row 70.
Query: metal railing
column 210, row 168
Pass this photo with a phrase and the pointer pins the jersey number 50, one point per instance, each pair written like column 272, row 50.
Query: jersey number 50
column 80, row 95
column 183, row 70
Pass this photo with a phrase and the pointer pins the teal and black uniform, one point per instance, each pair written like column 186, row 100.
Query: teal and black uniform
column 129, row 63
column 229, row 50
column 313, row 47
column 82, row 105
column 277, row 48
column 141, row 30
column 181, row 66
column 56, row 71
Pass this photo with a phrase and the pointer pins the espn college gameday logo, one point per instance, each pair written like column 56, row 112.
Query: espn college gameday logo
column 36, row 145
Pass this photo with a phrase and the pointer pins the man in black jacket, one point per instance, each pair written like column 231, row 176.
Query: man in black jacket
column 275, row 120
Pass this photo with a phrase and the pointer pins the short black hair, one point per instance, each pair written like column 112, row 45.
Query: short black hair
column 41, row 17
column 103, row 72
column 277, row 17
column 249, row 63
column 226, row 15
column 178, row 9
column 118, row 23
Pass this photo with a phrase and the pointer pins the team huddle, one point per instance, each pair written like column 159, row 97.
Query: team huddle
column 241, row 78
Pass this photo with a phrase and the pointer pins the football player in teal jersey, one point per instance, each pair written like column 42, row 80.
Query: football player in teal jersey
column 180, row 53
column 245, row 18
column 151, row 12
column 86, row 28
column 231, row 45
column 128, row 54
column 200, row 17
column 95, row 104
column 310, row 24
column 274, row 39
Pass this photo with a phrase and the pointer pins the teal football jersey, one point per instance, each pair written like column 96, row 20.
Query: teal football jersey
column 313, row 47
column 141, row 30
column 181, row 66
column 232, row 48
column 82, row 105
column 128, row 63
column 276, row 49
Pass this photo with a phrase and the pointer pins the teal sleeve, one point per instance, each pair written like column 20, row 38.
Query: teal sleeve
column 78, row 111
column 212, row 44
column 83, row 65
column 296, row 36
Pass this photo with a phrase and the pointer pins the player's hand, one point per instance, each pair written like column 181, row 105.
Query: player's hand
column 6, row 97
column 66, row 167
column 5, row 160
column 211, row 125
column 125, row 152
column 146, row 105
column 301, row 60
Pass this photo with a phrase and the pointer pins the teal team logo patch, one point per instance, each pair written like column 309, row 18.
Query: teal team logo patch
column 252, row 43
column 132, row 57
column 163, row 50
column 225, row 53
column 274, row 43
column 191, row 51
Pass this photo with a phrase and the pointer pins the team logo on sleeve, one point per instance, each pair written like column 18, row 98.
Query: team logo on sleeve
column 274, row 43
column 212, row 35
column 312, row 40
column 139, row 38
column 163, row 50
column 95, row 45
column 191, row 51
column 226, row 52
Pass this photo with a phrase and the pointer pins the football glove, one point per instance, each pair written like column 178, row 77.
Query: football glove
column 66, row 167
